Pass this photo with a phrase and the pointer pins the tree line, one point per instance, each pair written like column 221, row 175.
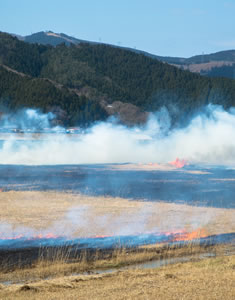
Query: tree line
column 91, row 74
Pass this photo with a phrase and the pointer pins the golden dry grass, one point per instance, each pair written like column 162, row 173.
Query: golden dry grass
column 107, row 216
column 144, row 167
column 154, row 167
column 57, row 261
column 207, row 279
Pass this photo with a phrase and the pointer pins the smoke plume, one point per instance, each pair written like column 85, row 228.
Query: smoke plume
column 208, row 138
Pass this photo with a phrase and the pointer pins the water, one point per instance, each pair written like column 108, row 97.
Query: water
column 145, row 265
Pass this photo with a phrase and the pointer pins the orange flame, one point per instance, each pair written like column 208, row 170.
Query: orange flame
column 178, row 163
column 189, row 236
column 174, row 236
column 34, row 237
column 20, row 236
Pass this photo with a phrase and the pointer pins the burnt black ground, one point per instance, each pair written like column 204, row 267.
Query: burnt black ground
column 23, row 255
column 100, row 180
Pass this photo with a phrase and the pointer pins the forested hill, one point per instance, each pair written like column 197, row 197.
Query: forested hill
column 219, row 64
column 86, row 81
column 18, row 92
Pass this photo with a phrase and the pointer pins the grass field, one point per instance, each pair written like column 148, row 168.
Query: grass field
column 79, row 215
column 206, row 279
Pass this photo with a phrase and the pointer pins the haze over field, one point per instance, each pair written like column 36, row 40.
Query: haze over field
column 208, row 138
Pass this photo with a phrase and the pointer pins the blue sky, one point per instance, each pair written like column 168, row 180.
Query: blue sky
column 163, row 27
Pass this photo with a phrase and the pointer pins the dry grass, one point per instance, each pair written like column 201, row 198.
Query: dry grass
column 207, row 279
column 155, row 167
column 204, row 66
column 54, row 262
column 144, row 167
column 40, row 211
column 106, row 216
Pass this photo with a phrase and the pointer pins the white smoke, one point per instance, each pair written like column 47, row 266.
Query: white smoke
column 26, row 120
column 80, row 221
column 209, row 138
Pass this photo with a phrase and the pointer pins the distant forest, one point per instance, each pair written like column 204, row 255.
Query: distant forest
column 78, row 82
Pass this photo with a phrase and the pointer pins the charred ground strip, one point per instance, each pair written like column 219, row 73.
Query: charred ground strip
column 215, row 188
column 24, row 253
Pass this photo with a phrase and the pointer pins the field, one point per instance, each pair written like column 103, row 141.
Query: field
column 173, row 271
column 206, row 279
column 82, row 215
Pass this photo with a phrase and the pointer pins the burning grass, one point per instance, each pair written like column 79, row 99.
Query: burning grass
column 79, row 215
column 44, row 212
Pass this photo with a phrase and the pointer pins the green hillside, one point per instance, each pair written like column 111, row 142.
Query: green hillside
column 89, row 77
column 17, row 92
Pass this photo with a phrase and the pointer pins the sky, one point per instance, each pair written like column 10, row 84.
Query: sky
column 181, row 28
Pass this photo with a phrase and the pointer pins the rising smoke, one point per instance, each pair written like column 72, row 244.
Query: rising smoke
column 208, row 138
column 80, row 221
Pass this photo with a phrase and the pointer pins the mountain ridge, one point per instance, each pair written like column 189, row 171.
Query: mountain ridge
column 196, row 63
column 89, row 82
column 227, row 55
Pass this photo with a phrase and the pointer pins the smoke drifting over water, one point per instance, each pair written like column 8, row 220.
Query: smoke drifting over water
column 209, row 138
